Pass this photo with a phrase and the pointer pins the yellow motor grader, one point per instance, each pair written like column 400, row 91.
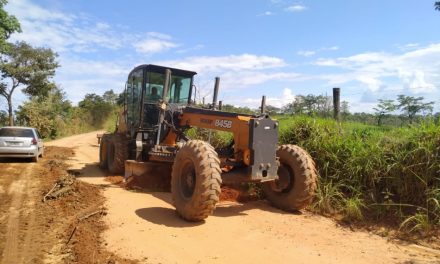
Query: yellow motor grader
column 159, row 107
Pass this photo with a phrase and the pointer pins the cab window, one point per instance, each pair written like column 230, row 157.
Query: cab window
column 134, row 87
column 178, row 92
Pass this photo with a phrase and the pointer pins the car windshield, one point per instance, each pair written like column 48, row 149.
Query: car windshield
column 15, row 132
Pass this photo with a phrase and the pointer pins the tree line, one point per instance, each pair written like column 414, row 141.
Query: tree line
column 403, row 110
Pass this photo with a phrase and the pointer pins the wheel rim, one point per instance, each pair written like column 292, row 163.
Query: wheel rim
column 285, row 179
column 187, row 180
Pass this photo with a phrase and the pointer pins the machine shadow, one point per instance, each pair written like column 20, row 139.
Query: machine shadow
column 164, row 216
column 169, row 217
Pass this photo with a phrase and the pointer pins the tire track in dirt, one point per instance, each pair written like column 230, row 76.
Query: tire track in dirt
column 17, row 190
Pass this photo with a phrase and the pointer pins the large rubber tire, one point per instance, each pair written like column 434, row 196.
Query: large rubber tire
column 103, row 152
column 296, row 186
column 117, row 153
column 196, row 180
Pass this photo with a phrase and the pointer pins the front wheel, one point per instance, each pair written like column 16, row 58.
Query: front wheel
column 117, row 153
column 296, row 186
column 196, row 180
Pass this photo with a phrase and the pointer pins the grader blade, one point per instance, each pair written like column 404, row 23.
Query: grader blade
column 150, row 176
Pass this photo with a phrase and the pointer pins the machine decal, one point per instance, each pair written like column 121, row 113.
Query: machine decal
column 205, row 121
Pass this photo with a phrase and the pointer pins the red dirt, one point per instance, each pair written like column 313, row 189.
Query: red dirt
column 56, row 217
column 229, row 194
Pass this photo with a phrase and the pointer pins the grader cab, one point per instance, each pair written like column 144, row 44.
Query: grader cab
column 160, row 107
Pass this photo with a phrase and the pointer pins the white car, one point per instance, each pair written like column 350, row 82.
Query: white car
column 21, row 142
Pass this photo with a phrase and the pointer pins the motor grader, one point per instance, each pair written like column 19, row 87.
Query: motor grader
column 160, row 107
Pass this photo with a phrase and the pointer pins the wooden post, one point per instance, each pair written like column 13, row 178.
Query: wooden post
column 337, row 104
column 220, row 105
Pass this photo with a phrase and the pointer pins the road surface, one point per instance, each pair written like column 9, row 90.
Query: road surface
column 144, row 226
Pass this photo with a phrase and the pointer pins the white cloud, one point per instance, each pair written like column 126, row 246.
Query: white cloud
column 29, row 11
column 267, row 13
column 226, row 63
column 306, row 53
column 278, row 101
column 242, row 79
column 332, row 48
column 408, row 46
column 296, row 8
column 80, row 76
column 154, row 45
column 309, row 53
column 61, row 31
column 415, row 70
column 64, row 32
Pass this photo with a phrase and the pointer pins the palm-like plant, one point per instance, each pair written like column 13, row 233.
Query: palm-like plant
column 437, row 5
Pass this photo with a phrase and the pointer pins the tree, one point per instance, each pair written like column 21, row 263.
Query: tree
column 97, row 107
column 48, row 114
column 383, row 109
column 437, row 5
column 110, row 97
column 272, row 110
column 31, row 68
column 8, row 25
column 413, row 106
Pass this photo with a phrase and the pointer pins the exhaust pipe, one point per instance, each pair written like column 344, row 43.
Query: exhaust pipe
column 214, row 98
column 263, row 105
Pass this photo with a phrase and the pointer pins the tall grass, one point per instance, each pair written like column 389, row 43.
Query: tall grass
column 388, row 172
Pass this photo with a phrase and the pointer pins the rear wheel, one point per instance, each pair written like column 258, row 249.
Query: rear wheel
column 196, row 180
column 296, row 186
column 117, row 153
column 103, row 152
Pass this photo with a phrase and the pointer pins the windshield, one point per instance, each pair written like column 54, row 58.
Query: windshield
column 16, row 132
column 179, row 88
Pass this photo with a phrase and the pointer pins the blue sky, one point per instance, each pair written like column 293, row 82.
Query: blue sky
column 279, row 48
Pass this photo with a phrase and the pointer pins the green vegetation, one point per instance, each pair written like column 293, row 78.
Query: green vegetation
column 370, row 171
column 55, row 117
column 8, row 25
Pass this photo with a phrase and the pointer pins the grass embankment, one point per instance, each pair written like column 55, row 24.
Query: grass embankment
column 382, row 174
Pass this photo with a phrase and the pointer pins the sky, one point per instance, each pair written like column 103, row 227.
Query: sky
column 279, row 48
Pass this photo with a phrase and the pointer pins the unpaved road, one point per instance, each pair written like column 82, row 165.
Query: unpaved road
column 19, row 212
column 144, row 226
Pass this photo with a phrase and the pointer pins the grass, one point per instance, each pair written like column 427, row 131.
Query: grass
column 391, row 172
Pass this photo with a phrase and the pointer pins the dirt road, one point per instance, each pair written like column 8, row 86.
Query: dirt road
column 144, row 226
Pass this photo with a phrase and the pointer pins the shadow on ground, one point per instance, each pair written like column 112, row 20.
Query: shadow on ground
column 170, row 218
